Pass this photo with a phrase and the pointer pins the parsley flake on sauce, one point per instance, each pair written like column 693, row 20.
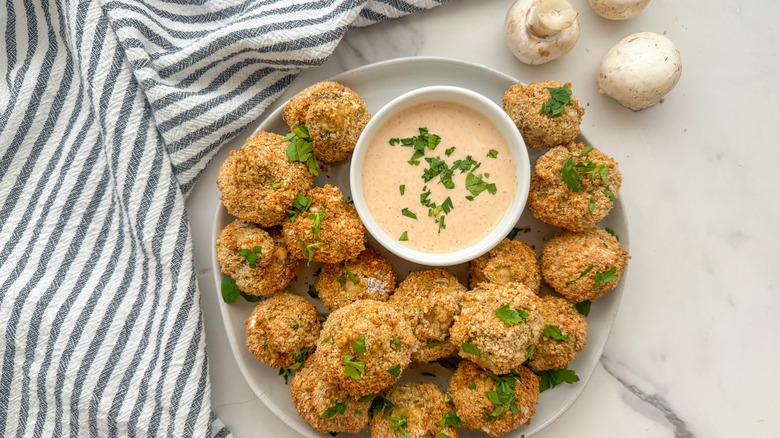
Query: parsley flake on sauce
column 492, row 153
column 408, row 213
column 403, row 237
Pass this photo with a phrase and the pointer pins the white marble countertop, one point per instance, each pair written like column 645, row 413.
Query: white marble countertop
column 694, row 348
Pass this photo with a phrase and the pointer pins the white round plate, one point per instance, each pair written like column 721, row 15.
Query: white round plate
column 377, row 84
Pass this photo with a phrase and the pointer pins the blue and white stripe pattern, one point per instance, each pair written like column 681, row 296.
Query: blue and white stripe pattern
column 109, row 112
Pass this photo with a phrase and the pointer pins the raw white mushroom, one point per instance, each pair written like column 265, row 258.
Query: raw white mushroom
column 539, row 31
column 640, row 69
column 618, row 9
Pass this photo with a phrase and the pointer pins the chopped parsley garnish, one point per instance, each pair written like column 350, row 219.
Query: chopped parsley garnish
column 382, row 404
column 583, row 307
column 366, row 398
column 402, row 189
column 403, row 237
column 308, row 250
column 447, row 397
column 360, row 345
column 419, row 143
column 467, row 165
column 398, row 424
column 441, row 435
column 591, row 205
column 231, row 292
column 529, row 353
column 509, row 316
column 299, row 359
column 437, row 166
column 338, row 408
column 353, row 369
column 602, row 278
column 558, row 98
column 408, row 213
column 515, row 230
column 552, row 378
column 584, row 273
column 570, row 176
column 492, row 153
column 450, row 418
column 317, row 221
column 432, row 344
column 397, row 342
column 612, row 232
column 350, row 276
column 276, row 185
column 296, row 327
column 301, row 203
column 325, row 340
column 449, row 151
column 473, row 385
column 554, row 332
column 395, row 370
column 503, row 398
column 471, row 349
column 251, row 255
column 476, row 185
column 301, row 148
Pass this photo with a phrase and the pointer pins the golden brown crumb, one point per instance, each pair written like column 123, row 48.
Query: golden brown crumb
column 502, row 345
column 511, row 261
column 274, row 267
column 334, row 115
column 325, row 406
column 524, row 103
column 551, row 201
column 468, row 386
column 258, row 183
column 429, row 300
column 568, row 255
column 373, row 277
column 423, row 407
column 340, row 235
column 551, row 354
column 371, row 334
column 283, row 330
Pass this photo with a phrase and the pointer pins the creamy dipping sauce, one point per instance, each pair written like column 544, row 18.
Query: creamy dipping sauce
column 470, row 215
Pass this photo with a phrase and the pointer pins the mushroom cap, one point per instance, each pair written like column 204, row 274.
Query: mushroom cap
column 618, row 9
column 532, row 49
column 639, row 70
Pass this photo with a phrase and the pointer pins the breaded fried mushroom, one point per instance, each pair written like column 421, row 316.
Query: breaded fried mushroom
column 497, row 325
column 258, row 183
column 329, row 231
column 563, row 337
column 283, row 330
column 418, row 408
column 364, row 347
column 256, row 258
column 511, row 261
column 334, row 115
column 573, row 186
column 325, row 406
column 368, row 276
column 524, row 103
column 516, row 395
column 583, row 265
column 429, row 300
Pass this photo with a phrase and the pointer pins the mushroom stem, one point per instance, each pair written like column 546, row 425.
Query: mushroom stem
column 550, row 17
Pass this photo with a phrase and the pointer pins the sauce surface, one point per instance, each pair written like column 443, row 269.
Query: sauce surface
column 386, row 168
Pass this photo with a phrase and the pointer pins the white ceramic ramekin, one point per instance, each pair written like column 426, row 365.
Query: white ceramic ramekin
column 482, row 105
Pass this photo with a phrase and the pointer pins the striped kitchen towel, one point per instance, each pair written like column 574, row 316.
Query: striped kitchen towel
column 109, row 112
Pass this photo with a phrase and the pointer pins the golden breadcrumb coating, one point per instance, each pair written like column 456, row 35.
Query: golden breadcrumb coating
column 429, row 300
column 334, row 115
column 524, row 103
column 567, row 255
column 373, row 277
column 274, row 267
column 502, row 345
column 423, row 406
column 340, row 235
column 551, row 354
column 475, row 408
column 280, row 328
column 386, row 336
column 322, row 404
column 511, row 261
column 258, row 182
column 554, row 203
